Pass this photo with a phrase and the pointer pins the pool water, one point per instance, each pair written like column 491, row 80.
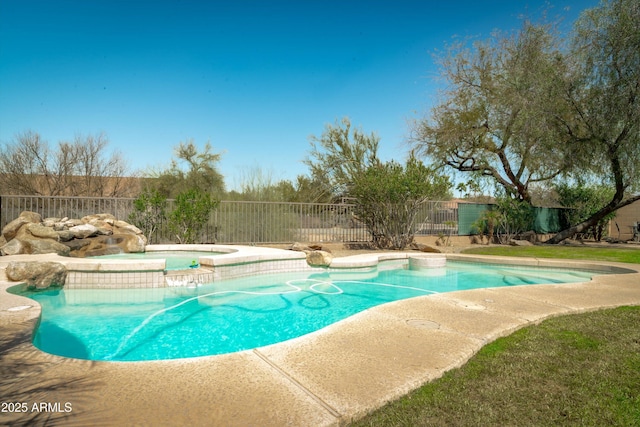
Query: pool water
column 245, row 313
column 175, row 260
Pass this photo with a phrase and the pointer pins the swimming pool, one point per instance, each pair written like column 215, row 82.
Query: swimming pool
column 245, row 313
column 175, row 260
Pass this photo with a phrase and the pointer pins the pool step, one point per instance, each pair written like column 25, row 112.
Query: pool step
column 186, row 278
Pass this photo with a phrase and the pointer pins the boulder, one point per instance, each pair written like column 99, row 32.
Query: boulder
column 91, row 235
column 72, row 222
column 50, row 222
column 105, row 231
column 65, row 235
column 126, row 227
column 59, row 226
column 14, row 247
column 11, row 229
column 106, row 245
column 529, row 236
column 424, row 248
column 76, row 244
column 31, row 216
column 299, row 247
column 38, row 275
column 91, row 219
column 134, row 244
column 39, row 230
column 83, row 231
column 319, row 258
column 514, row 242
column 44, row 246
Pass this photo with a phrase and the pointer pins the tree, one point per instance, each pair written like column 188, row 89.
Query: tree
column 149, row 212
column 388, row 196
column 310, row 190
column 190, row 169
column 582, row 201
column 340, row 155
column 29, row 165
column 604, row 99
column 190, row 214
column 493, row 119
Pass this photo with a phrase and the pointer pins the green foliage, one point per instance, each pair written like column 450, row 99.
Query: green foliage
column 149, row 212
column 507, row 218
column 190, row 169
column 493, row 119
column 527, row 108
column 583, row 201
column 470, row 189
column 190, row 214
column 516, row 216
column 605, row 93
column 603, row 119
column 388, row 196
column 341, row 155
column 487, row 223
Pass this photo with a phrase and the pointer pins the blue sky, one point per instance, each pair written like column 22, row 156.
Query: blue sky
column 255, row 78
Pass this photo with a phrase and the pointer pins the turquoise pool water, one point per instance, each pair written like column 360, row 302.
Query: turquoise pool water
column 175, row 260
column 241, row 314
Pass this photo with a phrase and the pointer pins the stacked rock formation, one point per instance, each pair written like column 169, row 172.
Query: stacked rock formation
column 91, row 235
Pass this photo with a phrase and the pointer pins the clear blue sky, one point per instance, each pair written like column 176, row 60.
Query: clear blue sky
column 255, row 78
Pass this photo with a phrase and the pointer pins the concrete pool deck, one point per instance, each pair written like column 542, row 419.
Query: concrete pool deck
column 325, row 378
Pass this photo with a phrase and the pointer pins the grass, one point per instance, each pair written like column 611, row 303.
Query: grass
column 590, row 253
column 581, row 369
column 572, row 370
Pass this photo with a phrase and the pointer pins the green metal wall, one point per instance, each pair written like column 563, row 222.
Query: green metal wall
column 547, row 220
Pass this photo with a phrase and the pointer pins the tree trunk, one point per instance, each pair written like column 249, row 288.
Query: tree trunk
column 613, row 206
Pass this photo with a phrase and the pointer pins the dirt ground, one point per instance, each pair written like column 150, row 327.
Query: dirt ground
column 456, row 244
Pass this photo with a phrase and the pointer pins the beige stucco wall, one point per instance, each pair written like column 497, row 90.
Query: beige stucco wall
column 625, row 218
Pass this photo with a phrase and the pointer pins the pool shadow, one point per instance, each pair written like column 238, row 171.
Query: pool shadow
column 59, row 341
column 31, row 376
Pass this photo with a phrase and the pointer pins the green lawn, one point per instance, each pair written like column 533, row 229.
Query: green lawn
column 630, row 255
column 581, row 369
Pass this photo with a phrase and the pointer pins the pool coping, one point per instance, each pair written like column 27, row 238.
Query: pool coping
column 325, row 378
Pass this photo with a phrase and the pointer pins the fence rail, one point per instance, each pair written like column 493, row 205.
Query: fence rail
column 243, row 221
column 273, row 222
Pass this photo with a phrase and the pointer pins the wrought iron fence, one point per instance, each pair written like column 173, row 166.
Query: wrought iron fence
column 60, row 207
column 243, row 221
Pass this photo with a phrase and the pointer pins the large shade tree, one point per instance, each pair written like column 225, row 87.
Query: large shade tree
column 603, row 94
column 493, row 119
column 522, row 110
